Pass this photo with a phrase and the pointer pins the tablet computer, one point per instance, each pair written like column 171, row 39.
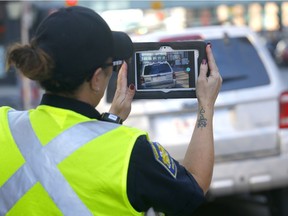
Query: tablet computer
column 161, row 70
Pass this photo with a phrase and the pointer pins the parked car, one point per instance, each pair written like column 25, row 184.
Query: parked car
column 250, row 118
column 158, row 75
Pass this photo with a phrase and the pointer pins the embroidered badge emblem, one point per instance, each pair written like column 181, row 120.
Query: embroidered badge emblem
column 163, row 157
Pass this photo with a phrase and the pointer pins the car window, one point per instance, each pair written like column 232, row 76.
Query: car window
column 239, row 63
column 148, row 70
column 156, row 69
column 164, row 68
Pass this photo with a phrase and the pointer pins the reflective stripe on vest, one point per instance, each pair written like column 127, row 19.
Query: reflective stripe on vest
column 41, row 163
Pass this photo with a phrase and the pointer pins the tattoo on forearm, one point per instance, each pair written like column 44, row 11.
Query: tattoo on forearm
column 202, row 121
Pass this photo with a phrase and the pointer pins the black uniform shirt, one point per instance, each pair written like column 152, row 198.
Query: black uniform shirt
column 154, row 178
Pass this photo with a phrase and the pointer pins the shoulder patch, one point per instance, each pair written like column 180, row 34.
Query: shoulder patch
column 163, row 157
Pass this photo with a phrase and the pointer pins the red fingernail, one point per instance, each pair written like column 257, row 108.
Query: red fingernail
column 209, row 44
column 131, row 86
column 204, row 61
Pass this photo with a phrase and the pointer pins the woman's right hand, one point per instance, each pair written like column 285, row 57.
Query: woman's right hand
column 208, row 87
column 199, row 157
column 121, row 104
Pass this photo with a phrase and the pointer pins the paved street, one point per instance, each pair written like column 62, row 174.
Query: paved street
column 235, row 206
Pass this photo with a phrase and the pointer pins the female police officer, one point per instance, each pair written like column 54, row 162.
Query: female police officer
column 64, row 158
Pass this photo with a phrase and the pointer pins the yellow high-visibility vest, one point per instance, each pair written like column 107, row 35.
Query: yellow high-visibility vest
column 57, row 162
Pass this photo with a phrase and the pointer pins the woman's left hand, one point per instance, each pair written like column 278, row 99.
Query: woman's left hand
column 121, row 104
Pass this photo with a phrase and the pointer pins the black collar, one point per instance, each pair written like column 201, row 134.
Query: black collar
column 70, row 104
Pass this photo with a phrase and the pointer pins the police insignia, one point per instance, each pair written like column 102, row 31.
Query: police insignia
column 163, row 157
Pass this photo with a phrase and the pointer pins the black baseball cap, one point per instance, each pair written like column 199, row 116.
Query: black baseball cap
column 79, row 41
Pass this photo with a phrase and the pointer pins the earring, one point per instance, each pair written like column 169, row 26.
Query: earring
column 96, row 90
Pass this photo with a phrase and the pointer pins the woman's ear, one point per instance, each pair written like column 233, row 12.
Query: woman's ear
column 96, row 79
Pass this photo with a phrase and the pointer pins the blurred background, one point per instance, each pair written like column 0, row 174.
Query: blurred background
column 19, row 19
column 268, row 19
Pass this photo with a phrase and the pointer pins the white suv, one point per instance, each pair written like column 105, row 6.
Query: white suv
column 250, row 120
column 158, row 75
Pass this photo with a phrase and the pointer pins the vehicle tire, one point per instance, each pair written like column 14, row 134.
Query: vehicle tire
column 277, row 200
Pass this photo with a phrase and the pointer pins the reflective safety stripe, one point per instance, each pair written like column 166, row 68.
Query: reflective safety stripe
column 41, row 163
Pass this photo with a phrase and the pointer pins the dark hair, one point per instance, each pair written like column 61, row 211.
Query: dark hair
column 36, row 64
column 33, row 62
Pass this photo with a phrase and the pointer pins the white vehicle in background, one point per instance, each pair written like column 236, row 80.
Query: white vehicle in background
column 158, row 75
column 250, row 120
